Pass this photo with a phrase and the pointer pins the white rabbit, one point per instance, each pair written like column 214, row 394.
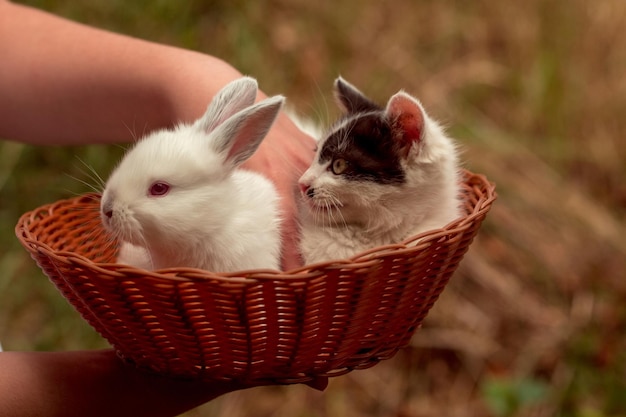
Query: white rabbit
column 178, row 198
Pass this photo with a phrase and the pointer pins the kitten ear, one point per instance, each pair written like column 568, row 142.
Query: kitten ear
column 240, row 135
column 407, row 116
column 351, row 99
column 235, row 96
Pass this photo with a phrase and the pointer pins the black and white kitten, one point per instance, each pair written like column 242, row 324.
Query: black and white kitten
column 380, row 176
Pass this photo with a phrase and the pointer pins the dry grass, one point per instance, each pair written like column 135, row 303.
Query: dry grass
column 532, row 323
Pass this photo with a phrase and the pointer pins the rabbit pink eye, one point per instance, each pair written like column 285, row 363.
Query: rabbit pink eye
column 159, row 189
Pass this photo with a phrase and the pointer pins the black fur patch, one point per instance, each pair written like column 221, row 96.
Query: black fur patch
column 366, row 142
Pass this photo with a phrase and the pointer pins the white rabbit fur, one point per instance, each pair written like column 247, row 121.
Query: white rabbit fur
column 212, row 215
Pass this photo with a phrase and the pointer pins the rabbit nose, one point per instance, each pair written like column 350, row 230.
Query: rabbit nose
column 107, row 209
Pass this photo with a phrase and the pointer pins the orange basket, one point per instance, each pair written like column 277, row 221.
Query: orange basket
column 254, row 326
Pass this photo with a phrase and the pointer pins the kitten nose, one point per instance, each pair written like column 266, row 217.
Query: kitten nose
column 307, row 190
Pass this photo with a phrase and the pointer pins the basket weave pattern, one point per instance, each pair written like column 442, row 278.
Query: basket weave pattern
column 254, row 326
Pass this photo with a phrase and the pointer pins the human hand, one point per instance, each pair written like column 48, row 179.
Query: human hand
column 97, row 383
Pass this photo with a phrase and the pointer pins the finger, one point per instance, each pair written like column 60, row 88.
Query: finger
column 318, row 383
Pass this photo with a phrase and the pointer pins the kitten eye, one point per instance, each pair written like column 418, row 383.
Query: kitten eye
column 339, row 165
column 158, row 189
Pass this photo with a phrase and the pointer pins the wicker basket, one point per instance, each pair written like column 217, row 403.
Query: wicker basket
column 253, row 326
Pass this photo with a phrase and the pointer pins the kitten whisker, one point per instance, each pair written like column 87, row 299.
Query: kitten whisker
column 328, row 211
column 337, row 204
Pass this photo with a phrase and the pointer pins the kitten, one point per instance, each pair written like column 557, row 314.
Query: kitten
column 380, row 176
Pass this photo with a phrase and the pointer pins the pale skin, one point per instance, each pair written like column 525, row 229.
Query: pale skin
column 64, row 83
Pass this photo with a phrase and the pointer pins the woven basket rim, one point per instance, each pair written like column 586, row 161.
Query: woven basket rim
column 324, row 319
column 311, row 271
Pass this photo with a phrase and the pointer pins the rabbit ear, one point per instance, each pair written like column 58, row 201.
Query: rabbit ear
column 351, row 99
column 241, row 134
column 232, row 98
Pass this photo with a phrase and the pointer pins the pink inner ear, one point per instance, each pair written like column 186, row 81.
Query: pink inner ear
column 408, row 116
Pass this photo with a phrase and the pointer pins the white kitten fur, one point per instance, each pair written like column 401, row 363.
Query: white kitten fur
column 347, row 217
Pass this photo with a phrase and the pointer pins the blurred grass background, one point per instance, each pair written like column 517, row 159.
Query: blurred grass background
column 535, row 92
